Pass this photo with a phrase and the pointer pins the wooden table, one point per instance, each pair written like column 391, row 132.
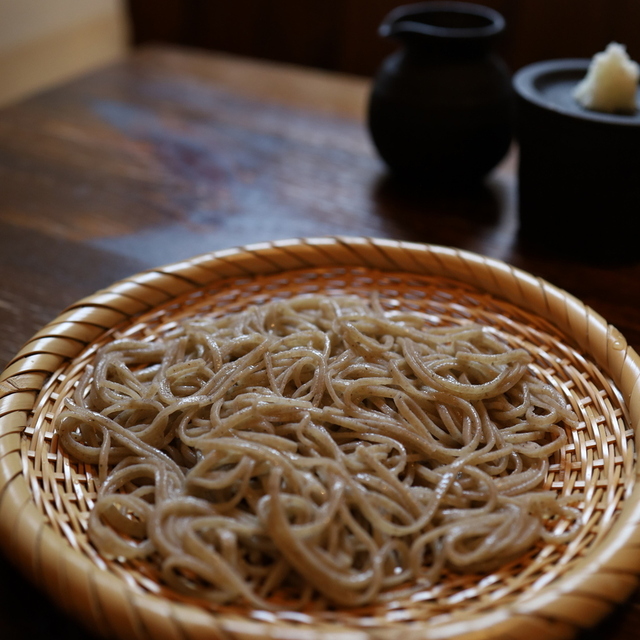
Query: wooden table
column 175, row 153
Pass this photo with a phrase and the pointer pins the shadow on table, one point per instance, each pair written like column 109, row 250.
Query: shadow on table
column 484, row 218
column 451, row 216
column 586, row 250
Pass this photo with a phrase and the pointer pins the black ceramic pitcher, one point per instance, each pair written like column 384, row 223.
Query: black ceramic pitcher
column 441, row 106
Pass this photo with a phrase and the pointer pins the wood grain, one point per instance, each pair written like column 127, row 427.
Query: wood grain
column 175, row 153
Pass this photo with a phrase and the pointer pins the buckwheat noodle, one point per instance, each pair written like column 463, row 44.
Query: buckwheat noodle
column 317, row 448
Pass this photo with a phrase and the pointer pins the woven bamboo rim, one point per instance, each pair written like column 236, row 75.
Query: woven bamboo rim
column 551, row 593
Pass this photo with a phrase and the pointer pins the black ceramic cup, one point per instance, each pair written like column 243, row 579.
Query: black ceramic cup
column 579, row 170
column 441, row 105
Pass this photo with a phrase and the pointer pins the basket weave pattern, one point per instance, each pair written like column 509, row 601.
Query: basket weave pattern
column 45, row 497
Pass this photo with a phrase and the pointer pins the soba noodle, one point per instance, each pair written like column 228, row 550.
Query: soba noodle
column 317, row 447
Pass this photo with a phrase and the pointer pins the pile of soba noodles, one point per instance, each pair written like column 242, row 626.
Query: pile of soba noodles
column 319, row 449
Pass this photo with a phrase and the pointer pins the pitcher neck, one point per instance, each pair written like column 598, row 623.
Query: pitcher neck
column 450, row 29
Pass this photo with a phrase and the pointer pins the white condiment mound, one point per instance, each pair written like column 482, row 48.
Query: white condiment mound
column 611, row 82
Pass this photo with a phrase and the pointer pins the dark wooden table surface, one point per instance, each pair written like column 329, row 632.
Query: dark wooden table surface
column 173, row 153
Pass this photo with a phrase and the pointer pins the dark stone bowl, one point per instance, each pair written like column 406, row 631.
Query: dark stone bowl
column 579, row 171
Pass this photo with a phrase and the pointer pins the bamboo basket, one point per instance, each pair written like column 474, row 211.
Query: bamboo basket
column 551, row 592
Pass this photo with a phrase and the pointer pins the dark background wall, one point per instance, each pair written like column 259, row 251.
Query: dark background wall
column 342, row 34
